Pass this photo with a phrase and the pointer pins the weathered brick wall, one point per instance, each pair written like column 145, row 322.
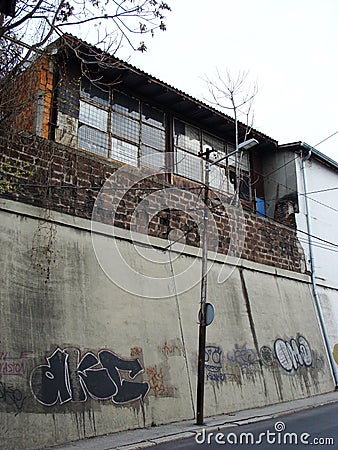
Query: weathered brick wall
column 68, row 180
column 30, row 99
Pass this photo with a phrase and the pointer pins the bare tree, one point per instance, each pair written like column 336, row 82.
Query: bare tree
column 107, row 23
column 27, row 33
column 234, row 94
column 33, row 25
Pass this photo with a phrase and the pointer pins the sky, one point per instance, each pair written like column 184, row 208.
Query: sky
column 289, row 47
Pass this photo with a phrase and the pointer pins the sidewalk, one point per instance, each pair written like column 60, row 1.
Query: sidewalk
column 143, row 438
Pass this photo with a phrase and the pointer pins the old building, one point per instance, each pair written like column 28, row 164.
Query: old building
column 102, row 219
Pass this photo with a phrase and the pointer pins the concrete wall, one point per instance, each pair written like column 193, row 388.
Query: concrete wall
column 99, row 331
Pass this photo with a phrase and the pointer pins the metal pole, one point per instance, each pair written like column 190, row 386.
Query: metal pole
column 202, row 325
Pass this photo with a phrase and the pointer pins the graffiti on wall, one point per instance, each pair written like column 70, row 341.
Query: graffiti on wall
column 267, row 356
column 11, row 396
column 136, row 352
column 158, row 384
column 243, row 356
column 14, row 364
column 289, row 355
column 293, row 354
column 214, row 366
column 171, row 348
column 67, row 377
column 335, row 353
column 213, row 363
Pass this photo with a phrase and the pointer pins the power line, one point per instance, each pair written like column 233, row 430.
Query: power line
column 292, row 190
column 278, row 168
column 323, row 190
column 326, row 138
column 192, row 228
column 192, row 188
column 300, row 231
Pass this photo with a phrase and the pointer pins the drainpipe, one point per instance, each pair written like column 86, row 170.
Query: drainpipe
column 312, row 265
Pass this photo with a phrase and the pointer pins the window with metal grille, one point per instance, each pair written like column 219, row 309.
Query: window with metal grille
column 190, row 141
column 118, row 126
column 92, row 140
column 121, row 127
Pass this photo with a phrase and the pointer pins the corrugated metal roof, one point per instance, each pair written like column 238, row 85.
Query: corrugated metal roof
column 175, row 99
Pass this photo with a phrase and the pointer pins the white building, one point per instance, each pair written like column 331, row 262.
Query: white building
column 301, row 187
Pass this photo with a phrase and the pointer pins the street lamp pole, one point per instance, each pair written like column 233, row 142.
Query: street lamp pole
column 202, row 324
column 202, row 317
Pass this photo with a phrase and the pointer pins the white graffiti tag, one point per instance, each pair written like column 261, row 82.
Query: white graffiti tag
column 291, row 355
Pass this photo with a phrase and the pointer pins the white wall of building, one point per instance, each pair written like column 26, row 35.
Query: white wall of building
column 322, row 194
column 322, row 182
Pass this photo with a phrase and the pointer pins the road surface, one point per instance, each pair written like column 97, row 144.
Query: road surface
column 310, row 429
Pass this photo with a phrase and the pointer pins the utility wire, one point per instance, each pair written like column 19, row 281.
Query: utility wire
column 323, row 190
column 48, row 186
column 300, row 231
column 155, row 189
column 192, row 188
column 326, row 138
column 192, row 228
column 292, row 190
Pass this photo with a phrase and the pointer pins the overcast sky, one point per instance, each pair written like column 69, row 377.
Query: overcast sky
column 288, row 46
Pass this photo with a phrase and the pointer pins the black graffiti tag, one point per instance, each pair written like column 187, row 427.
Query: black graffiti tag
column 67, row 378
column 11, row 396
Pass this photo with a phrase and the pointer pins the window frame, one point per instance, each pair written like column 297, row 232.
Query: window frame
column 150, row 136
column 150, row 132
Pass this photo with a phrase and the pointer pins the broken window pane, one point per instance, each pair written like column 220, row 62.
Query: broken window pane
column 94, row 93
column 126, row 105
column 218, row 147
column 153, row 116
column 187, row 137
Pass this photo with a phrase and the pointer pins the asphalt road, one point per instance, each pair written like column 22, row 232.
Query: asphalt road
column 313, row 428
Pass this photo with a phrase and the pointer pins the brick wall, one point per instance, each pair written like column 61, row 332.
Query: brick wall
column 60, row 178
column 30, row 99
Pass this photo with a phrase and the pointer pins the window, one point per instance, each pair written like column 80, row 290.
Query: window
column 218, row 173
column 118, row 126
column 92, row 140
column 153, row 137
column 93, row 119
column 93, row 116
column 121, row 127
column 189, row 141
column 91, row 92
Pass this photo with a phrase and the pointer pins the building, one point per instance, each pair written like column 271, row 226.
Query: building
column 102, row 259
column 301, row 184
